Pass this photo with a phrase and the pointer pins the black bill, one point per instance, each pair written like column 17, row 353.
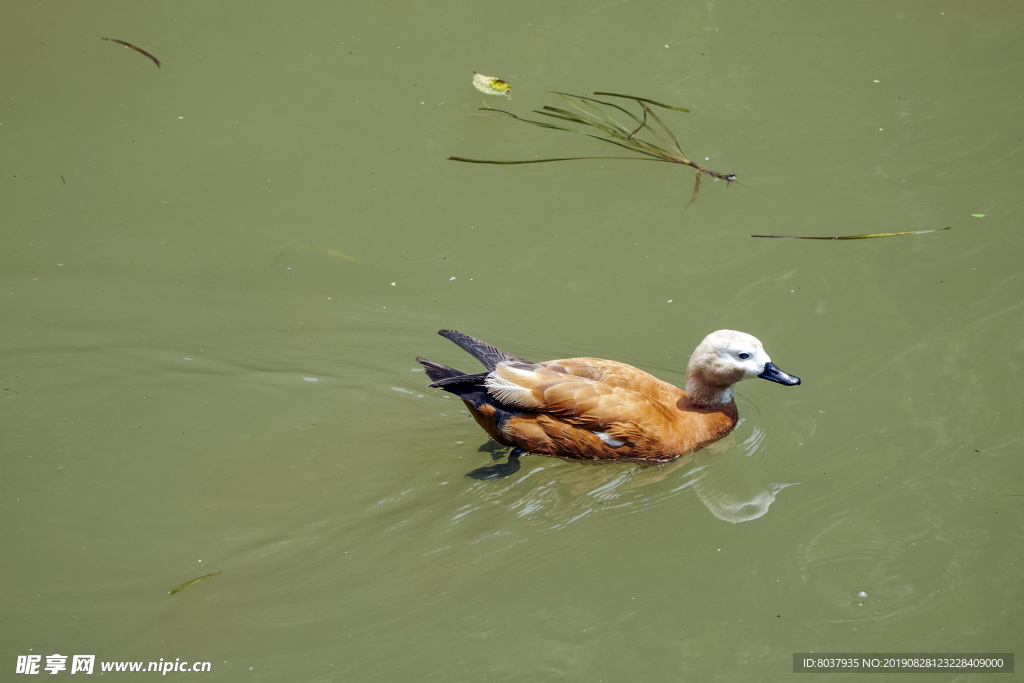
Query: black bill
column 773, row 374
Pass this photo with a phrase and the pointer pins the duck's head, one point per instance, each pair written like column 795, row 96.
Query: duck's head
column 724, row 358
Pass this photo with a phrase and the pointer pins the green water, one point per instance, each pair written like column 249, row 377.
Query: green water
column 216, row 275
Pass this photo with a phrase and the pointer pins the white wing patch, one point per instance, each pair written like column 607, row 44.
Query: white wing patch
column 610, row 440
column 507, row 390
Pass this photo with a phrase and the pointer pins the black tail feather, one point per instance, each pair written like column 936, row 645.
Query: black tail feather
column 437, row 372
column 475, row 380
column 444, row 376
column 489, row 355
column 469, row 388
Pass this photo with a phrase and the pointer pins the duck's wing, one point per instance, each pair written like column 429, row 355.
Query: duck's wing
column 580, row 408
column 594, row 395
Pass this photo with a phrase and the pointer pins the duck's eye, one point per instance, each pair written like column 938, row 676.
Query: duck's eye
column 744, row 356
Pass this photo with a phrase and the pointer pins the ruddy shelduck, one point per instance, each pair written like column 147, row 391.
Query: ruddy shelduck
column 595, row 409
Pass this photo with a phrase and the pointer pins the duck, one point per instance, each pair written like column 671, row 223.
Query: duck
column 600, row 410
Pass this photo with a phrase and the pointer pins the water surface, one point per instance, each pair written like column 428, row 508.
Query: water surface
column 217, row 274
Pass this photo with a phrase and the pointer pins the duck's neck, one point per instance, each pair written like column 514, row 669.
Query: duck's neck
column 706, row 395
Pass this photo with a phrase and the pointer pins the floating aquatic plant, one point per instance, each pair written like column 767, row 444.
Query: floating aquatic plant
column 852, row 237
column 612, row 123
column 190, row 583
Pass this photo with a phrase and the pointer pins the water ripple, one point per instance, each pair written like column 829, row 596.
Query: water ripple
column 869, row 573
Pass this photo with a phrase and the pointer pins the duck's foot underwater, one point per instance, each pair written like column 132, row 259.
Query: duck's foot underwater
column 499, row 470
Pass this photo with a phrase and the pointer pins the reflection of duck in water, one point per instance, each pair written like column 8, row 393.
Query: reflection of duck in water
column 594, row 409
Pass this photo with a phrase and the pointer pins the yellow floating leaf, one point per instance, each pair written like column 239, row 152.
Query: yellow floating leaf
column 491, row 85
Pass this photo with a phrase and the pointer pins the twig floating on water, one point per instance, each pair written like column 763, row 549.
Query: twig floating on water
column 540, row 161
column 137, row 49
column 852, row 237
column 189, row 583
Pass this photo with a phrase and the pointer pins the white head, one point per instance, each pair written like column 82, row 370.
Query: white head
column 724, row 358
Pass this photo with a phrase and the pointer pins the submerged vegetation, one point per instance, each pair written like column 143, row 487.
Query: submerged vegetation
column 610, row 122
